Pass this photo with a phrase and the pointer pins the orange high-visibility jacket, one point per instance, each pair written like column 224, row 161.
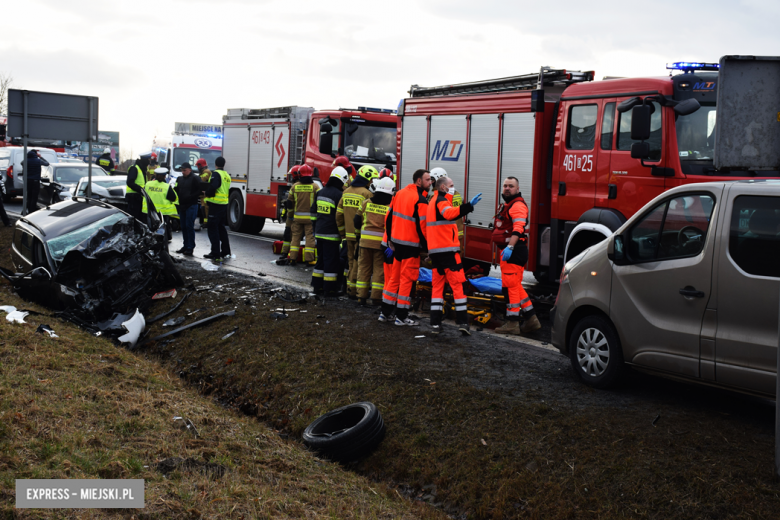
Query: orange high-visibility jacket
column 406, row 222
column 442, row 228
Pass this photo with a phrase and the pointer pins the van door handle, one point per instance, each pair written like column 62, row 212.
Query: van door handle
column 691, row 292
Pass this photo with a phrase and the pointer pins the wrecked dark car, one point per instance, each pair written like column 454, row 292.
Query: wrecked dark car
column 94, row 263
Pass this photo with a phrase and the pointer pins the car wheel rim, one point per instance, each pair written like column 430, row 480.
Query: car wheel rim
column 593, row 352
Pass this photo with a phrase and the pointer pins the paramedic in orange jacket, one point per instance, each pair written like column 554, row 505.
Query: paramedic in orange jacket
column 514, row 256
column 444, row 252
column 405, row 228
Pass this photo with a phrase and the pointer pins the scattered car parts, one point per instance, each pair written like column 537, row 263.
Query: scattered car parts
column 195, row 324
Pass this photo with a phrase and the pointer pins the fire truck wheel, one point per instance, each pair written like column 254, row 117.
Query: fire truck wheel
column 235, row 211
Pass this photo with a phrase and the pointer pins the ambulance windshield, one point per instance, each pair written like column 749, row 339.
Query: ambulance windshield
column 191, row 155
column 369, row 142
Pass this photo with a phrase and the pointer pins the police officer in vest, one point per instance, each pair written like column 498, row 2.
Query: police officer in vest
column 163, row 197
column 217, row 201
column 105, row 161
column 135, row 185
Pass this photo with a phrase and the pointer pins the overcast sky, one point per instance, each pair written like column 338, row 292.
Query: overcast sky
column 152, row 63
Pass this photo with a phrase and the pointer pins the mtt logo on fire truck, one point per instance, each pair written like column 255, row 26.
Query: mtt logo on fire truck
column 440, row 151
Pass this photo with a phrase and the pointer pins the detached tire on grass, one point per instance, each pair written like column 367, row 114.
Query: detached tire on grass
column 347, row 433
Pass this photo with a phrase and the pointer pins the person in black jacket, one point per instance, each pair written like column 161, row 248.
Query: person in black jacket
column 324, row 280
column 105, row 161
column 188, row 189
column 32, row 175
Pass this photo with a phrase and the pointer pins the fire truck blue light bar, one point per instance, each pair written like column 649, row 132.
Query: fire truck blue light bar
column 692, row 65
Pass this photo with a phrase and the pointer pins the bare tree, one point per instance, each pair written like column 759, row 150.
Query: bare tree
column 6, row 80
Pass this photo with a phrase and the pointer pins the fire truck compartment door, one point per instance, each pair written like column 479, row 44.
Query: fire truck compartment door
column 517, row 152
column 234, row 150
column 261, row 144
column 414, row 134
column 483, row 167
column 280, row 152
column 447, row 148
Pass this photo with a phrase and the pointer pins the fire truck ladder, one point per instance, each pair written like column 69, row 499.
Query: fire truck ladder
column 546, row 77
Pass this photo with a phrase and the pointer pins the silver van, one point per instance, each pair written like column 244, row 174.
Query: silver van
column 688, row 287
column 11, row 167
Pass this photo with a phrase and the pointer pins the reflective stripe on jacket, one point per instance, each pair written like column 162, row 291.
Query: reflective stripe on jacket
column 372, row 232
column 302, row 196
column 408, row 217
column 158, row 192
column 221, row 196
column 348, row 207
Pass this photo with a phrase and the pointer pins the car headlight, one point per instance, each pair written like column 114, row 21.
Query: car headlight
column 571, row 264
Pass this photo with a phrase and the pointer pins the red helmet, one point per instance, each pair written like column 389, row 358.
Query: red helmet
column 201, row 162
column 387, row 173
column 305, row 170
column 295, row 173
column 154, row 155
column 342, row 161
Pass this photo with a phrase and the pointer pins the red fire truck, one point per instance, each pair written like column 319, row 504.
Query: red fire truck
column 568, row 140
column 261, row 145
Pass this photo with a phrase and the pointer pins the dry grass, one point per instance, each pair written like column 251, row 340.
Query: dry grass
column 481, row 430
column 79, row 407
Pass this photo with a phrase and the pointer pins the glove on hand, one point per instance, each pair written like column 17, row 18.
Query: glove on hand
column 506, row 254
column 389, row 253
column 474, row 201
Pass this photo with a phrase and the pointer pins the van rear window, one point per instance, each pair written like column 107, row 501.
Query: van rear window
column 754, row 243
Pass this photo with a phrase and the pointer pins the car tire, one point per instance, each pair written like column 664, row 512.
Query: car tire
column 170, row 273
column 347, row 433
column 595, row 352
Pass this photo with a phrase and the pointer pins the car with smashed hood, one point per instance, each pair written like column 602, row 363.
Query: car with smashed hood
column 95, row 264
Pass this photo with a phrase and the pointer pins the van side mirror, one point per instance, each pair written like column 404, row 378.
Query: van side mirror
column 615, row 250
column 689, row 106
column 326, row 138
column 640, row 122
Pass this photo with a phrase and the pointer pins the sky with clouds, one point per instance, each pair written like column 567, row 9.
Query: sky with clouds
column 152, row 63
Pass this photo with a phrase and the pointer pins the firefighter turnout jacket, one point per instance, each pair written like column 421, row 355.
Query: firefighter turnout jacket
column 323, row 212
column 370, row 219
column 348, row 207
column 301, row 200
column 105, row 162
column 406, row 223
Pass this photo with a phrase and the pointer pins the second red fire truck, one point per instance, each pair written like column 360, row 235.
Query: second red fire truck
column 261, row 145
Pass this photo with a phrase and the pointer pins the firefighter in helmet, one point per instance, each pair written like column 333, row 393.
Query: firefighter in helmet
column 300, row 199
column 287, row 216
column 345, row 216
column 326, row 273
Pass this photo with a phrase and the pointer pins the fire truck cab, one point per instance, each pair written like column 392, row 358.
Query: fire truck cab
column 261, row 145
column 568, row 140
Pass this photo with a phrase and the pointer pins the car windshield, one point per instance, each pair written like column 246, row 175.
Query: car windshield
column 72, row 174
column 191, row 155
column 107, row 183
column 59, row 246
column 369, row 142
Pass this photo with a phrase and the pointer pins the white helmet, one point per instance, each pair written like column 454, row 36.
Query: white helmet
column 385, row 185
column 340, row 173
column 437, row 173
column 106, row 150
